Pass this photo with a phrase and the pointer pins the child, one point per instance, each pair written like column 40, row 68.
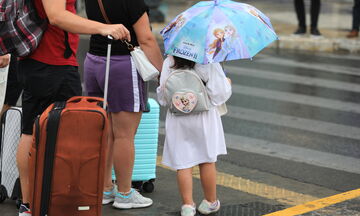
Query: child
column 195, row 139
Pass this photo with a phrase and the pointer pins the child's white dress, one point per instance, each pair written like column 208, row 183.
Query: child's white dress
column 196, row 138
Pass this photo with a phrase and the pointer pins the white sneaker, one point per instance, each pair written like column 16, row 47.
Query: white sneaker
column 109, row 196
column 24, row 210
column 133, row 200
column 188, row 210
column 207, row 208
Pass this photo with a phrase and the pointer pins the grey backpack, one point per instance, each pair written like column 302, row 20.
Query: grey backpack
column 185, row 92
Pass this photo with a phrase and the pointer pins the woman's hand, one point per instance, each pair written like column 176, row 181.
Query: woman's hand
column 117, row 31
column 4, row 60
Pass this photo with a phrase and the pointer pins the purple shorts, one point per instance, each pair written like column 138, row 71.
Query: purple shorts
column 126, row 91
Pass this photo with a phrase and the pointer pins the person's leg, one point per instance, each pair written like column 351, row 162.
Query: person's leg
column 22, row 164
column 315, row 11
column 208, row 181
column 109, row 188
column 108, row 183
column 185, row 183
column 300, row 13
column 125, row 125
column 356, row 15
column 92, row 88
column 34, row 87
column 354, row 33
column 43, row 84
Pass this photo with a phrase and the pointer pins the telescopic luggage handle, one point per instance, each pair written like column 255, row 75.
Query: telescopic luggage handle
column 108, row 56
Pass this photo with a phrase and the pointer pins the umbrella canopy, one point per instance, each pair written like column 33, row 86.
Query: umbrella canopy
column 216, row 31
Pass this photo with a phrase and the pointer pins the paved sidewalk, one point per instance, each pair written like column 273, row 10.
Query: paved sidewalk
column 334, row 23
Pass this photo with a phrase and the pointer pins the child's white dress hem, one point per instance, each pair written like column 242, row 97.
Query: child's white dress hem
column 189, row 165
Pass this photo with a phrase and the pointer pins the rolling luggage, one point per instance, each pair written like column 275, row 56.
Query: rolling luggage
column 10, row 136
column 68, row 157
column 146, row 144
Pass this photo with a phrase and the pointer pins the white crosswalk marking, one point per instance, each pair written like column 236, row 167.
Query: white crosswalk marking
column 313, row 157
column 297, row 98
column 293, row 79
column 330, row 68
column 294, row 122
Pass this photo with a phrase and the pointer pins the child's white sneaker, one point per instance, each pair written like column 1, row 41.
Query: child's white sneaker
column 206, row 207
column 188, row 210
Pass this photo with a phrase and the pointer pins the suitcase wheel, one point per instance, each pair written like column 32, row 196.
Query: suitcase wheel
column 148, row 186
column 137, row 185
column 3, row 193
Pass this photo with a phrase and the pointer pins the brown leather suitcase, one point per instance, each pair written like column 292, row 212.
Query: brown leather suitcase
column 67, row 158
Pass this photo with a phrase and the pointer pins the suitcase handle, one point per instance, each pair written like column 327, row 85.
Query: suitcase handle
column 82, row 99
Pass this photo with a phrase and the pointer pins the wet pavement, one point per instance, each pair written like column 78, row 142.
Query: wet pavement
column 292, row 129
column 292, row 133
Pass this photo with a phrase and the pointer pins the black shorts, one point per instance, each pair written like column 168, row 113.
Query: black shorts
column 13, row 87
column 43, row 85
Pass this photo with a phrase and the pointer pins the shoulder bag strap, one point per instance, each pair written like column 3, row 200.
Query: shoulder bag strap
column 102, row 9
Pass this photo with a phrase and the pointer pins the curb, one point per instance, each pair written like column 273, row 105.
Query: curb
column 320, row 44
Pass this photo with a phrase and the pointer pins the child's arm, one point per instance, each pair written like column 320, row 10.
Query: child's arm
column 218, row 85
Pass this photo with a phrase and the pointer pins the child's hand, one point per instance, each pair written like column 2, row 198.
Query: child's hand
column 229, row 80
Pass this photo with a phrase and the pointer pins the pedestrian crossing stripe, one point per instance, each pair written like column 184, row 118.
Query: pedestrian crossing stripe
column 317, row 204
column 280, row 195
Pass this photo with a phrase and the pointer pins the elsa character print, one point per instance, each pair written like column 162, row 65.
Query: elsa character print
column 233, row 47
column 186, row 103
column 173, row 27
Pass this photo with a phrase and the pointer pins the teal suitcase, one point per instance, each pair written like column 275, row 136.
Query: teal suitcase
column 146, row 144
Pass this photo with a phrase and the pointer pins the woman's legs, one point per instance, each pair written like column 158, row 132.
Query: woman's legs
column 208, row 181
column 184, row 178
column 356, row 15
column 124, row 126
column 108, row 185
column 315, row 11
column 300, row 13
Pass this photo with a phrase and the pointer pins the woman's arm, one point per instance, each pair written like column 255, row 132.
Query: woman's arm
column 147, row 41
column 64, row 19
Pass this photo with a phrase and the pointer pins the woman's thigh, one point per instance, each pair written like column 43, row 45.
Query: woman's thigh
column 125, row 124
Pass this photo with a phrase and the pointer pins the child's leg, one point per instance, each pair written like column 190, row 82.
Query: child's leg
column 184, row 178
column 208, row 181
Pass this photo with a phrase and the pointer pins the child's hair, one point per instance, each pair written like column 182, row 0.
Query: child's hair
column 183, row 63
